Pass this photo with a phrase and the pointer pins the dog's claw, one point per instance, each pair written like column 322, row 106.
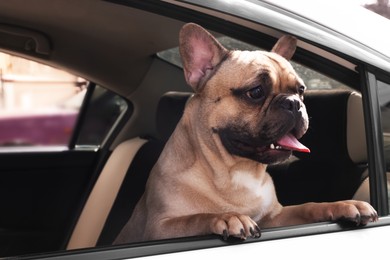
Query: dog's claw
column 252, row 232
column 225, row 235
column 255, row 234
column 358, row 219
column 258, row 232
column 366, row 219
column 242, row 232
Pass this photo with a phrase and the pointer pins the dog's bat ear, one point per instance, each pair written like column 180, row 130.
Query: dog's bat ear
column 200, row 53
column 285, row 46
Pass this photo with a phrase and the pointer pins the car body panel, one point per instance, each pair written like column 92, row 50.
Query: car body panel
column 311, row 28
column 324, row 246
column 304, row 242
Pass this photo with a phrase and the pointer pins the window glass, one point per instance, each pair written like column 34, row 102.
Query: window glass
column 103, row 113
column 38, row 104
column 312, row 79
column 384, row 101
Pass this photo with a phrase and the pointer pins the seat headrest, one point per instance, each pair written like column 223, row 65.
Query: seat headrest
column 169, row 111
column 336, row 128
column 356, row 132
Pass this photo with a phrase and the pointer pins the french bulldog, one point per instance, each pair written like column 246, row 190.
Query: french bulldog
column 247, row 112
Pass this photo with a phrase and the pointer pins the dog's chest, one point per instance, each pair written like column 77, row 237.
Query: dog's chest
column 254, row 189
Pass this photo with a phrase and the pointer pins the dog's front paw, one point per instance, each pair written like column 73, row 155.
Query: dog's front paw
column 235, row 225
column 359, row 212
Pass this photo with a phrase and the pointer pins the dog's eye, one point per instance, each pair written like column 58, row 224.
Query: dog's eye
column 301, row 90
column 255, row 93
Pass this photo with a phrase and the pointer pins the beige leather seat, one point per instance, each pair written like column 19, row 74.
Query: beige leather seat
column 97, row 208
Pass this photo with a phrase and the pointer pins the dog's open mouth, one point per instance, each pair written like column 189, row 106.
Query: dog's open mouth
column 280, row 150
column 275, row 152
column 241, row 144
column 289, row 142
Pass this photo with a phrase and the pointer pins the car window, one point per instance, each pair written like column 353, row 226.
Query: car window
column 40, row 107
column 384, row 101
column 103, row 112
column 39, row 104
column 312, row 78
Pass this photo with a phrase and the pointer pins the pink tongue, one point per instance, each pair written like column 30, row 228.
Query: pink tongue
column 289, row 142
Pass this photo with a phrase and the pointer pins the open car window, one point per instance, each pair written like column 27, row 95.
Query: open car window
column 39, row 105
column 40, row 108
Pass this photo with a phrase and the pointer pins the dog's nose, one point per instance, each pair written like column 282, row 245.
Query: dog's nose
column 291, row 104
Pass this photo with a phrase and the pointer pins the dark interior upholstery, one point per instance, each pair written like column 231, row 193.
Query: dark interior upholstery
column 326, row 174
column 169, row 111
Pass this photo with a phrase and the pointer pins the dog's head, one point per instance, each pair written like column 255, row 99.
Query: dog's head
column 252, row 100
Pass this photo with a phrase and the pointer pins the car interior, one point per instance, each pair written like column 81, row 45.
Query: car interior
column 82, row 198
column 338, row 178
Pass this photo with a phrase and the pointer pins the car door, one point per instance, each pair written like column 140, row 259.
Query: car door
column 52, row 138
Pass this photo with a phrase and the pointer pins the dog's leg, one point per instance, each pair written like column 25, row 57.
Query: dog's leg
column 351, row 210
column 227, row 224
